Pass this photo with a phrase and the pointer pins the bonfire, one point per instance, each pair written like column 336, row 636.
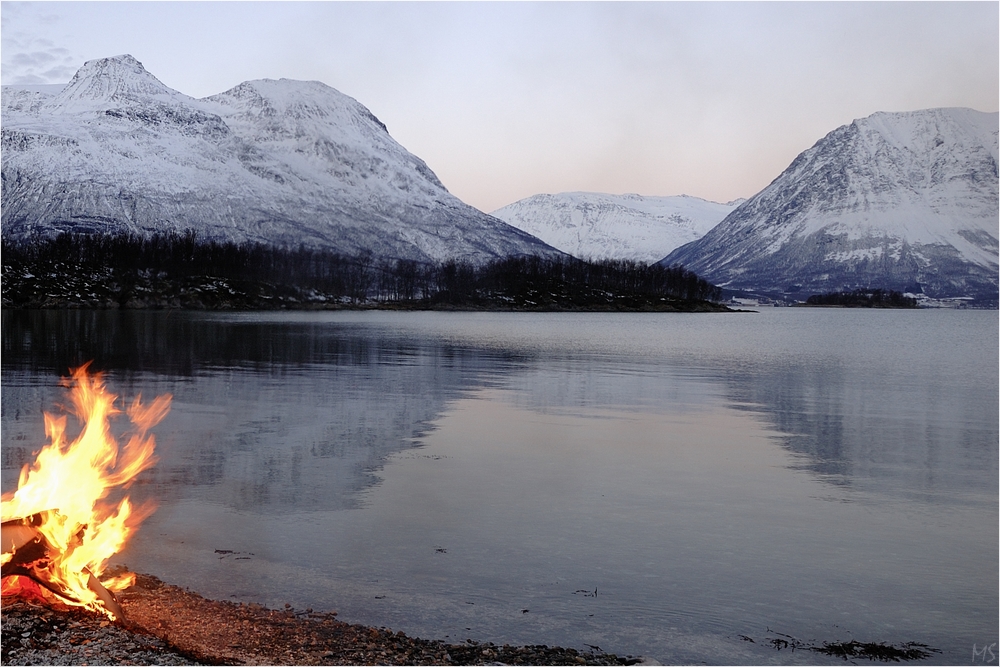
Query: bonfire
column 60, row 527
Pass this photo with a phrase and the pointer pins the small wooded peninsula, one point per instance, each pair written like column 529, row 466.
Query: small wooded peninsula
column 863, row 298
column 181, row 271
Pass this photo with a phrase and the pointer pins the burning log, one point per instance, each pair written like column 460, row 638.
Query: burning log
column 65, row 550
column 26, row 553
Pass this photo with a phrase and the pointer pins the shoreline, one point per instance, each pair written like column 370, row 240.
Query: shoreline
column 168, row 625
column 200, row 301
column 670, row 307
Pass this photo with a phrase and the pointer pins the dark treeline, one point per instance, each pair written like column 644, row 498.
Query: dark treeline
column 861, row 298
column 129, row 269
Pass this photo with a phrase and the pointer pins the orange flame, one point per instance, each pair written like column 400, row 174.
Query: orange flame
column 69, row 481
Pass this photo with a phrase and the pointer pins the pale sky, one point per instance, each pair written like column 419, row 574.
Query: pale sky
column 504, row 100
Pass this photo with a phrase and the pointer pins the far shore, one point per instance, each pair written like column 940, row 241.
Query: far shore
column 201, row 301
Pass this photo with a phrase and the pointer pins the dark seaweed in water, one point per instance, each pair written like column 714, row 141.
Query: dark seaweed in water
column 873, row 651
column 853, row 649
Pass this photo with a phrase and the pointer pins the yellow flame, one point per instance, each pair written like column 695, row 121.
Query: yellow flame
column 69, row 480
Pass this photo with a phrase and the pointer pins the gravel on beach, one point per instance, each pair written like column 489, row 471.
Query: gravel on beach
column 167, row 625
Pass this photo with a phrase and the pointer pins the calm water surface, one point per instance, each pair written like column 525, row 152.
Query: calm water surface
column 653, row 484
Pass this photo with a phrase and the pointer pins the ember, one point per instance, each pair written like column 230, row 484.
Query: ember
column 58, row 531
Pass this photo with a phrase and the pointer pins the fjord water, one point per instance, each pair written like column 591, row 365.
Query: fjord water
column 665, row 485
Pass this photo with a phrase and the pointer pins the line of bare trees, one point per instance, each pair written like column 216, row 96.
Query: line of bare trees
column 358, row 278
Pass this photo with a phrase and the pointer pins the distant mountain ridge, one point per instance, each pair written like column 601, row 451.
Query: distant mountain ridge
column 592, row 225
column 905, row 201
column 279, row 162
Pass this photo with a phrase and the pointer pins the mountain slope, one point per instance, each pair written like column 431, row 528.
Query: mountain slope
column 281, row 162
column 895, row 200
column 601, row 226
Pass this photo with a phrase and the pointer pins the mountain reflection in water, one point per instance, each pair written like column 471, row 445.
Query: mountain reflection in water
column 685, row 461
column 277, row 416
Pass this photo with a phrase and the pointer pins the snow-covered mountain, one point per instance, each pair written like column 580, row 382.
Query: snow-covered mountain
column 281, row 162
column 904, row 201
column 591, row 225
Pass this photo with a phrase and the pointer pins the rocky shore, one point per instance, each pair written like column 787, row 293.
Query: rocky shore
column 167, row 625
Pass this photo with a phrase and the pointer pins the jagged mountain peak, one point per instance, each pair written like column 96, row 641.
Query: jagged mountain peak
column 321, row 124
column 902, row 200
column 928, row 130
column 274, row 161
column 112, row 81
column 269, row 97
column 288, row 106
